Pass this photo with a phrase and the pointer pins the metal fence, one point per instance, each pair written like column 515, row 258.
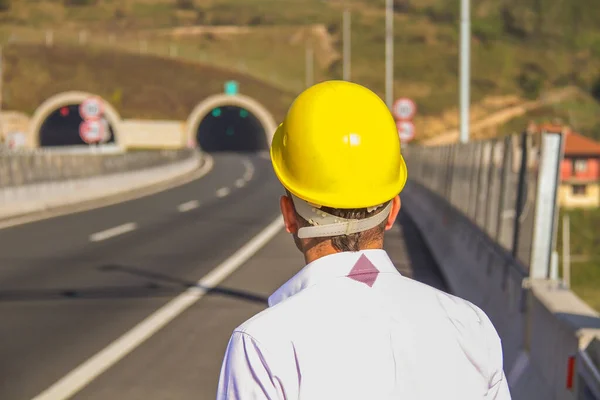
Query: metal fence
column 30, row 167
column 497, row 185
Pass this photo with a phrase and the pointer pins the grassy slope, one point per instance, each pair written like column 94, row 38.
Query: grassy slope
column 426, row 40
column 585, row 247
column 153, row 87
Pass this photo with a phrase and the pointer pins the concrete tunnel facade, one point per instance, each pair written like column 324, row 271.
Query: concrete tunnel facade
column 230, row 123
column 45, row 115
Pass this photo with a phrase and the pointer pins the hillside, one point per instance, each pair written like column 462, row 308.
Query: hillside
column 138, row 86
column 520, row 47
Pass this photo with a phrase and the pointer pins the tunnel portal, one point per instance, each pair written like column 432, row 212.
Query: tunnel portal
column 61, row 128
column 231, row 129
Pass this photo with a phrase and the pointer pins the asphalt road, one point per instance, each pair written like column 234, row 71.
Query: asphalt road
column 71, row 285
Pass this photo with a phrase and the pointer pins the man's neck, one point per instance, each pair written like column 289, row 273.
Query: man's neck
column 326, row 249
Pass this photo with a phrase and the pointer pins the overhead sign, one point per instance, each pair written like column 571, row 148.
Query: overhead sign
column 231, row 88
column 404, row 109
column 91, row 108
column 91, row 131
column 406, row 131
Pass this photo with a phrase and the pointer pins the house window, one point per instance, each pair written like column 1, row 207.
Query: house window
column 579, row 190
column 580, row 165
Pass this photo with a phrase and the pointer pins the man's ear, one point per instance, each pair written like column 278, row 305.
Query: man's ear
column 396, row 204
column 289, row 214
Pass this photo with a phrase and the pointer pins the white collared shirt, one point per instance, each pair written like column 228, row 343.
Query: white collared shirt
column 349, row 326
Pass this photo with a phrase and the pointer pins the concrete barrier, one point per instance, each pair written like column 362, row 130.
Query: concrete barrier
column 540, row 324
column 44, row 195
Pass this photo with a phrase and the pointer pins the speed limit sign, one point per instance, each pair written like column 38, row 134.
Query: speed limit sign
column 404, row 109
column 406, row 131
column 91, row 109
column 91, row 131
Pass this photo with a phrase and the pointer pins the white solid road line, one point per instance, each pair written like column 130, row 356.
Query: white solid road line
column 85, row 373
column 116, row 231
column 224, row 191
column 240, row 183
column 190, row 205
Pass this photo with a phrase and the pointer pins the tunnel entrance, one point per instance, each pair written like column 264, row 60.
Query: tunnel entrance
column 231, row 128
column 61, row 128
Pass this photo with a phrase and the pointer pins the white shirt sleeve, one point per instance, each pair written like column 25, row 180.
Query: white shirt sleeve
column 246, row 373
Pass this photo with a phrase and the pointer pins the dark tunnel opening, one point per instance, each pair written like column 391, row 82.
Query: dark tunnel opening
column 61, row 128
column 232, row 129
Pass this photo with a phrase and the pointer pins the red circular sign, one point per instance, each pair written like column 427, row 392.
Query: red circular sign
column 91, row 131
column 404, row 109
column 91, row 108
column 406, row 131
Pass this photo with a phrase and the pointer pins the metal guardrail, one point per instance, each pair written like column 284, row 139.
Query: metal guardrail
column 19, row 168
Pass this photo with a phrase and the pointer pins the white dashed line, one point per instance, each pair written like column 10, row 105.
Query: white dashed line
column 240, row 183
column 112, row 232
column 85, row 373
column 224, row 191
column 190, row 205
column 249, row 170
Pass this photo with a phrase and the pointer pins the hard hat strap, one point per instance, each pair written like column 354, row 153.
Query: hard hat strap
column 325, row 224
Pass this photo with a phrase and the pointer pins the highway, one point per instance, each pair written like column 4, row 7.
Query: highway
column 72, row 287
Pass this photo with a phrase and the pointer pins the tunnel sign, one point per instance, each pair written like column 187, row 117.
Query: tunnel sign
column 91, row 109
column 231, row 88
column 406, row 131
column 92, row 131
column 404, row 109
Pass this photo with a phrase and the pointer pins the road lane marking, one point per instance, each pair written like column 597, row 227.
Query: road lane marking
column 240, row 183
column 249, row 170
column 85, row 373
column 187, row 206
column 224, row 191
column 100, row 202
column 116, row 231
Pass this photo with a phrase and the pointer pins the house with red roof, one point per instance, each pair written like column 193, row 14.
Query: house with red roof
column 580, row 168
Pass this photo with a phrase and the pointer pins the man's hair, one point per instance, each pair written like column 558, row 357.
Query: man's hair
column 354, row 241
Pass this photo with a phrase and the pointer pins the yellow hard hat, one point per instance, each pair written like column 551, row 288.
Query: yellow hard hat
column 339, row 147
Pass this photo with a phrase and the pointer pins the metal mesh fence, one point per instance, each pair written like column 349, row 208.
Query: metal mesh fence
column 493, row 183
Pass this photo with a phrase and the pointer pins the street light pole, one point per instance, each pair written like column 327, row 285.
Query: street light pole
column 309, row 65
column 346, row 33
column 389, row 53
column 465, row 60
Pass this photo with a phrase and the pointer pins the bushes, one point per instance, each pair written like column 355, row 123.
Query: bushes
column 5, row 5
column 79, row 3
column 531, row 80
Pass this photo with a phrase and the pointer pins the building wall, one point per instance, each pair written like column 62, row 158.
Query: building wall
column 592, row 171
column 567, row 199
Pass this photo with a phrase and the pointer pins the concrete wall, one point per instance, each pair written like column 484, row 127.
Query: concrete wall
column 143, row 134
column 591, row 199
column 540, row 324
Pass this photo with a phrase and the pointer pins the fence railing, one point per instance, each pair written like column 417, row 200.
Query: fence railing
column 19, row 168
column 507, row 187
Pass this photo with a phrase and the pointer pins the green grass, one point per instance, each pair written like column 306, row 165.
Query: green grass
column 584, row 243
column 581, row 113
column 153, row 88
column 510, row 55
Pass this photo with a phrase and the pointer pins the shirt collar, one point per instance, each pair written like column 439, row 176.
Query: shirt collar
column 331, row 266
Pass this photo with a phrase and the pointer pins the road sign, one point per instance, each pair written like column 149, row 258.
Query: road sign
column 91, row 108
column 91, row 131
column 404, row 109
column 231, row 88
column 406, row 131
